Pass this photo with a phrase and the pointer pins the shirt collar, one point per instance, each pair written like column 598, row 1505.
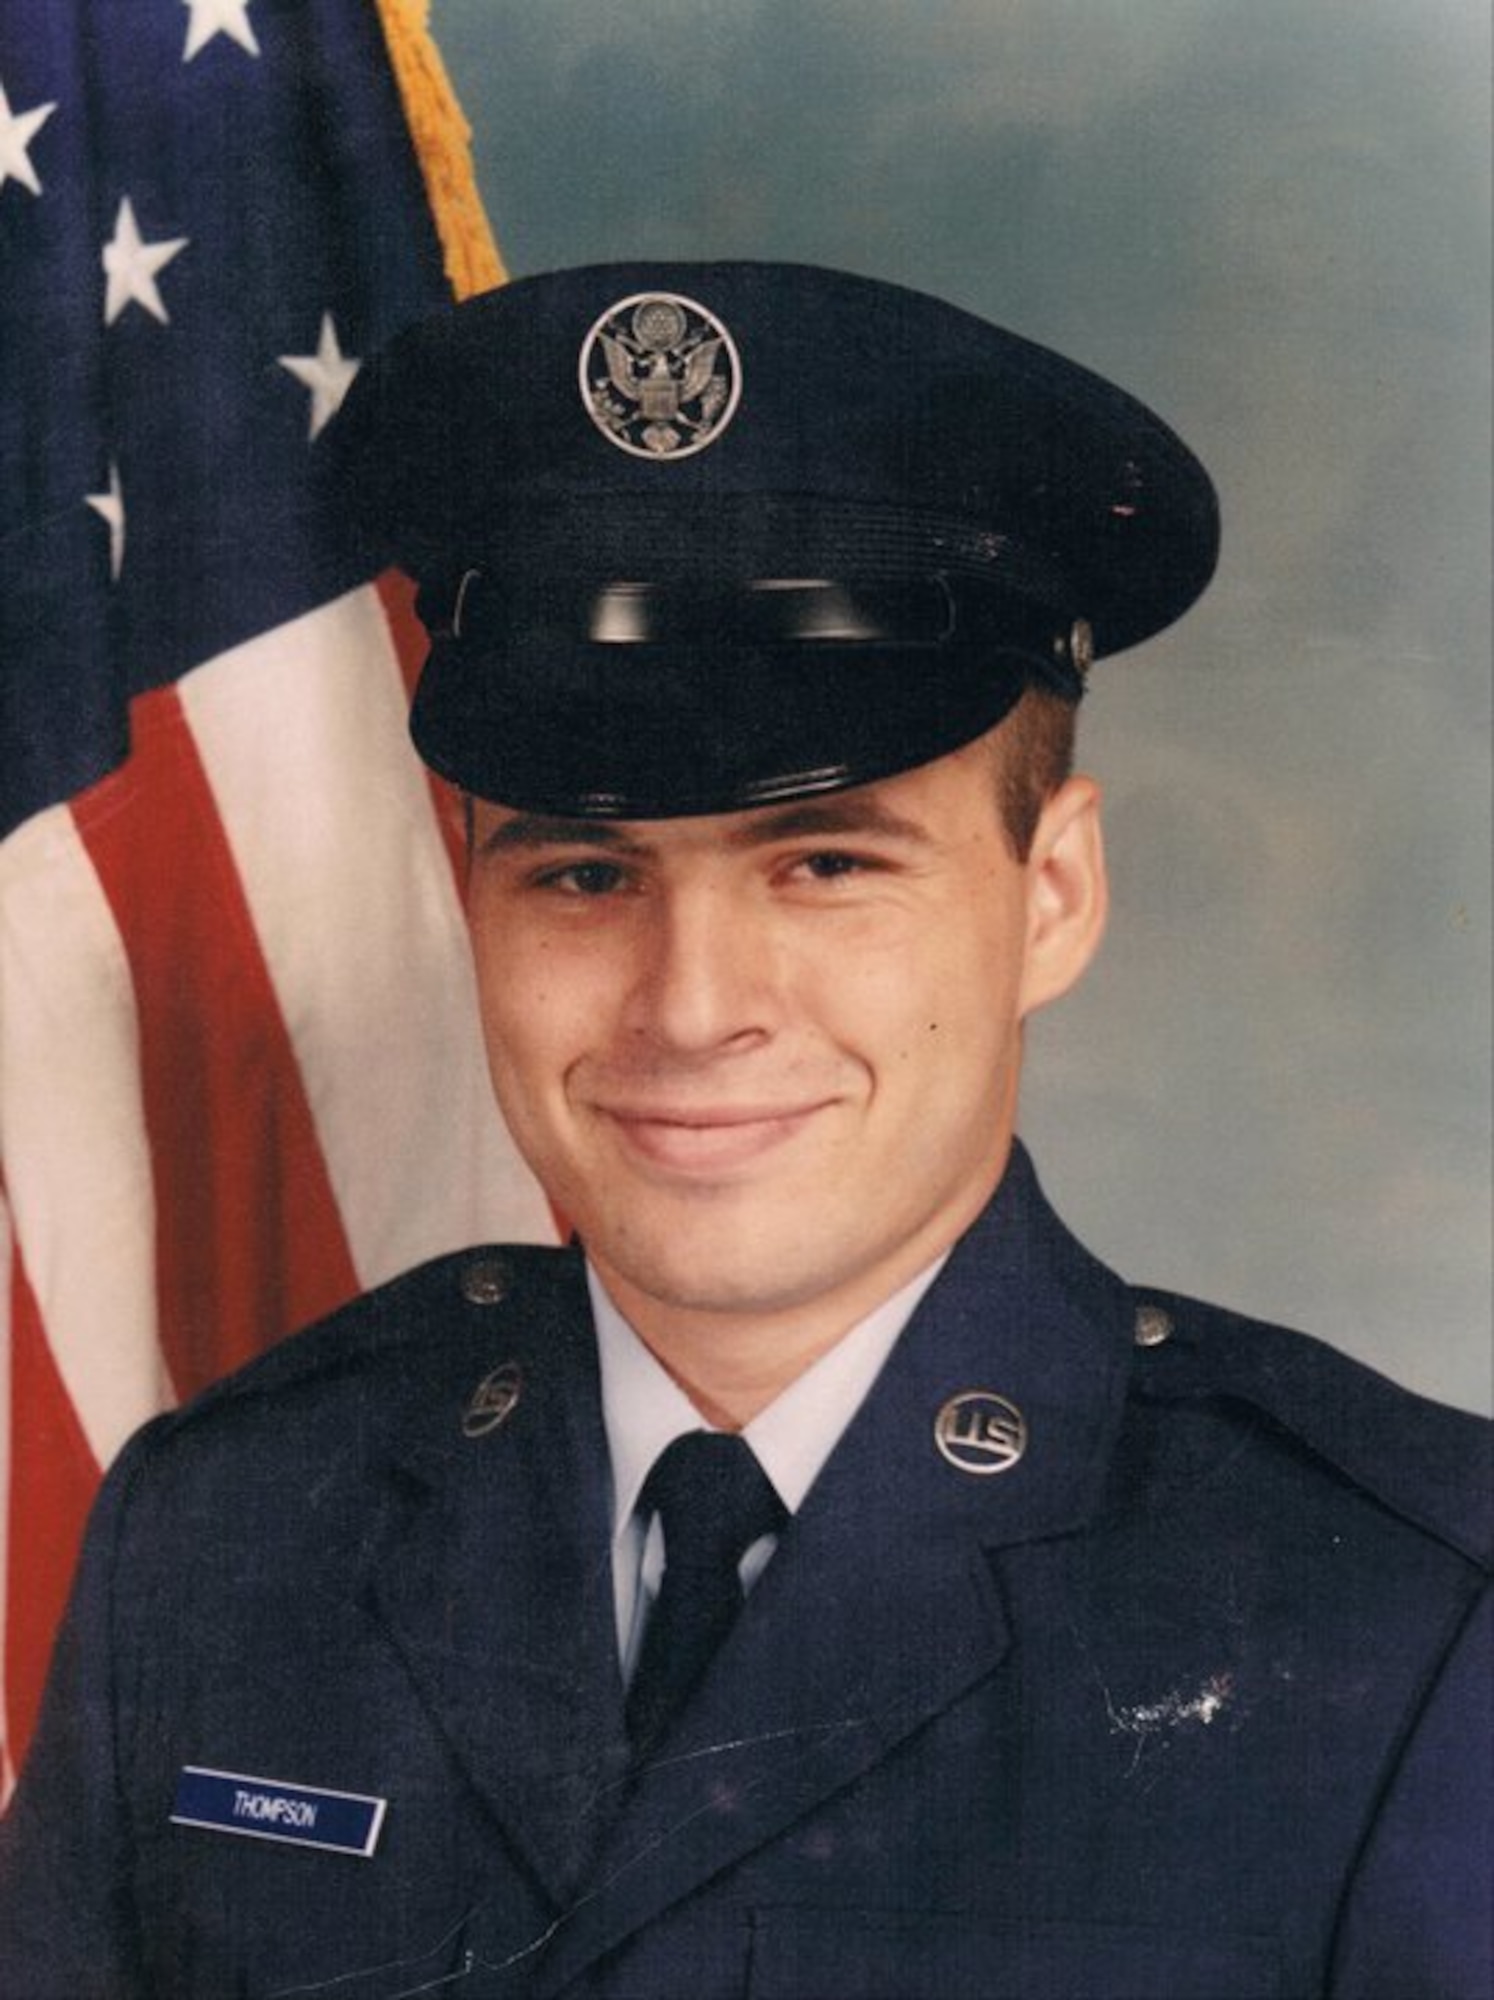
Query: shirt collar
column 644, row 1408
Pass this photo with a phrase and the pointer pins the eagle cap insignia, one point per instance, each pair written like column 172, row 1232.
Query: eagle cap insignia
column 660, row 375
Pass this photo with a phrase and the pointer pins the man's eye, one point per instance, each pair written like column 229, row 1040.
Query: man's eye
column 826, row 867
column 584, row 878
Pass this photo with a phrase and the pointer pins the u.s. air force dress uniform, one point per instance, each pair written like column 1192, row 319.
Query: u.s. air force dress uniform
column 1188, row 1698
column 1120, row 1649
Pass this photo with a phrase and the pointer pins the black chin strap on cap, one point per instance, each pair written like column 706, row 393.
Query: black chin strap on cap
column 911, row 615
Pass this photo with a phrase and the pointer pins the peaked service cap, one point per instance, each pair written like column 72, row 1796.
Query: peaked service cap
column 697, row 537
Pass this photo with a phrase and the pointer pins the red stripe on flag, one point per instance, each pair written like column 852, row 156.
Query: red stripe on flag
column 250, row 1242
column 53, row 1478
column 397, row 595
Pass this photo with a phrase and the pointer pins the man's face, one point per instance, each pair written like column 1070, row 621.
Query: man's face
column 768, row 1060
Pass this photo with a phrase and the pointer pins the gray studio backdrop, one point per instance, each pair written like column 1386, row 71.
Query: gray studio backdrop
column 1271, row 220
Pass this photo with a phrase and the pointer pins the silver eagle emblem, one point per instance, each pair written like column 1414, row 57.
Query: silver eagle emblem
column 660, row 375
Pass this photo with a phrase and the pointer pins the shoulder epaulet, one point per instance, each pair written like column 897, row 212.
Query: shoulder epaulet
column 409, row 1313
column 1427, row 1462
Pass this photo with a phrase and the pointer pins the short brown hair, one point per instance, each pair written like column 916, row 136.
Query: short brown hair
column 1033, row 753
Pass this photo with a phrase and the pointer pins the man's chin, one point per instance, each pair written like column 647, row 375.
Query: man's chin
column 711, row 1279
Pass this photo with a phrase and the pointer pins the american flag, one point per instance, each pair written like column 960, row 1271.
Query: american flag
column 240, row 1072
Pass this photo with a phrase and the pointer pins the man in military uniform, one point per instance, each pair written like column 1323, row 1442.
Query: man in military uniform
column 823, row 1579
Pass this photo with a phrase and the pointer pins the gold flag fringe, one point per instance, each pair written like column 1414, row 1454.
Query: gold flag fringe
column 443, row 145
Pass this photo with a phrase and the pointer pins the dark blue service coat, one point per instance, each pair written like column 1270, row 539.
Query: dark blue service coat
column 1190, row 1701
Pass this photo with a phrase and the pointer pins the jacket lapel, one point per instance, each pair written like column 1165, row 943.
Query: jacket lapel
column 881, row 1607
column 492, row 1577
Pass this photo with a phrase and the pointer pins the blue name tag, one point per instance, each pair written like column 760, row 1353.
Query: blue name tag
column 269, row 1809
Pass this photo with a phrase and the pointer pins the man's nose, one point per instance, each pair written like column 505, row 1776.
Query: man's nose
column 707, row 973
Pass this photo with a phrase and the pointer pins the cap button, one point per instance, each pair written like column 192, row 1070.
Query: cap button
column 1154, row 1326
column 486, row 1281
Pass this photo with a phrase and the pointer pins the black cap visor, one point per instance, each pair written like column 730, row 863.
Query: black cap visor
column 673, row 700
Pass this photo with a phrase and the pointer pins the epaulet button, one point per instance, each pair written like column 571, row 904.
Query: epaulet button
column 486, row 1281
column 1154, row 1325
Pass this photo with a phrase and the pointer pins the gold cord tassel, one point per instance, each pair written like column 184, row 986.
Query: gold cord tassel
column 443, row 145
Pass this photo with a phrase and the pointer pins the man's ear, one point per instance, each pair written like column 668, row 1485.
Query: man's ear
column 1068, row 893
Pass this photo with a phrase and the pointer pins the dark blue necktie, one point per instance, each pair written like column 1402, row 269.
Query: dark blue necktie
column 714, row 1501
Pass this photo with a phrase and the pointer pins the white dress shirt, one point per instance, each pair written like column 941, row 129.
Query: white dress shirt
column 644, row 1409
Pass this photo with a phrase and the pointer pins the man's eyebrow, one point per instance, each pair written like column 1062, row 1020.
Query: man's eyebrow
column 815, row 817
column 534, row 830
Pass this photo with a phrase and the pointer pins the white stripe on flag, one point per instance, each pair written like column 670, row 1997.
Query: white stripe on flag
column 302, row 733
column 72, row 1130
